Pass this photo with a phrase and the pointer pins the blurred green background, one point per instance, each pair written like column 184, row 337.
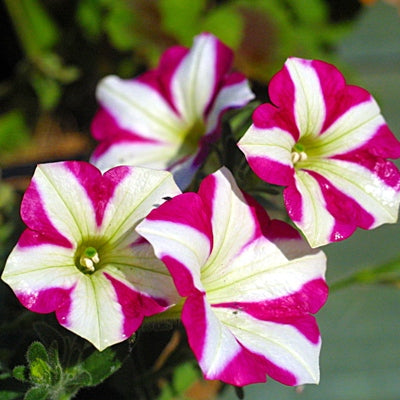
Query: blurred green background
column 60, row 49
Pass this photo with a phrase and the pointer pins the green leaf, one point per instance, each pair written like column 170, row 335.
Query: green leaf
column 40, row 372
column 34, row 26
column 119, row 25
column 89, row 17
column 100, row 365
column 36, row 351
column 47, row 90
column 181, row 18
column 9, row 395
column 12, row 126
column 20, row 372
column 37, row 393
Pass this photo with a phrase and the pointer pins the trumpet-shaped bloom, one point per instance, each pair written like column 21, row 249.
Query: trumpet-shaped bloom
column 250, row 284
column 168, row 117
column 80, row 255
column 327, row 142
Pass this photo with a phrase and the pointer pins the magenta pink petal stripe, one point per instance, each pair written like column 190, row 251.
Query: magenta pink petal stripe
column 48, row 300
column 99, row 188
column 181, row 275
column 282, row 93
column 247, row 368
column 195, row 322
column 293, row 309
column 293, row 203
column 170, row 60
column 134, row 305
column 338, row 97
column 383, row 144
column 34, row 215
column 223, row 58
column 175, row 210
column 346, row 211
column 267, row 116
column 385, row 170
column 105, row 127
column 272, row 171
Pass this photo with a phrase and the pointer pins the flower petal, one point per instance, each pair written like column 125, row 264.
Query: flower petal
column 268, row 152
column 327, row 142
column 155, row 155
column 182, row 240
column 197, row 78
column 258, row 277
column 135, row 195
column 139, row 108
column 47, row 206
column 105, row 299
column 234, row 92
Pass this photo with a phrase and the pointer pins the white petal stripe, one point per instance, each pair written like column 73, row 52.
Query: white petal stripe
column 309, row 107
column 59, row 190
column 220, row 345
column 314, row 209
column 194, row 80
column 135, row 196
column 139, row 108
column 353, row 129
column 233, row 96
column 257, row 273
column 274, row 144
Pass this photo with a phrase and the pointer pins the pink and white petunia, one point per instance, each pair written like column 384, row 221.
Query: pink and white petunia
column 80, row 255
column 250, row 283
column 168, row 117
column 328, row 143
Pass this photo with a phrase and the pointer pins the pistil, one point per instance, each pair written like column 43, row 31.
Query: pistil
column 89, row 258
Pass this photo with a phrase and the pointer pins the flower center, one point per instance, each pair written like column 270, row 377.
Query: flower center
column 298, row 153
column 191, row 137
column 87, row 259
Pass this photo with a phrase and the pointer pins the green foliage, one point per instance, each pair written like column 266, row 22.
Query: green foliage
column 8, row 219
column 9, row 395
column 38, row 35
column 12, row 126
column 100, row 365
column 36, row 29
column 181, row 18
column 50, row 380
column 184, row 376
column 89, row 17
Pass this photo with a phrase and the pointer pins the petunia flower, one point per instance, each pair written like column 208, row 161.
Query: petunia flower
column 250, row 284
column 328, row 143
column 80, row 255
column 168, row 117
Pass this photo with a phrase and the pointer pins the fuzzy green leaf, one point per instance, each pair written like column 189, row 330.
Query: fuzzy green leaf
column 36, row 351
column 100, row 365
column 20, row 372
column 37, row 393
